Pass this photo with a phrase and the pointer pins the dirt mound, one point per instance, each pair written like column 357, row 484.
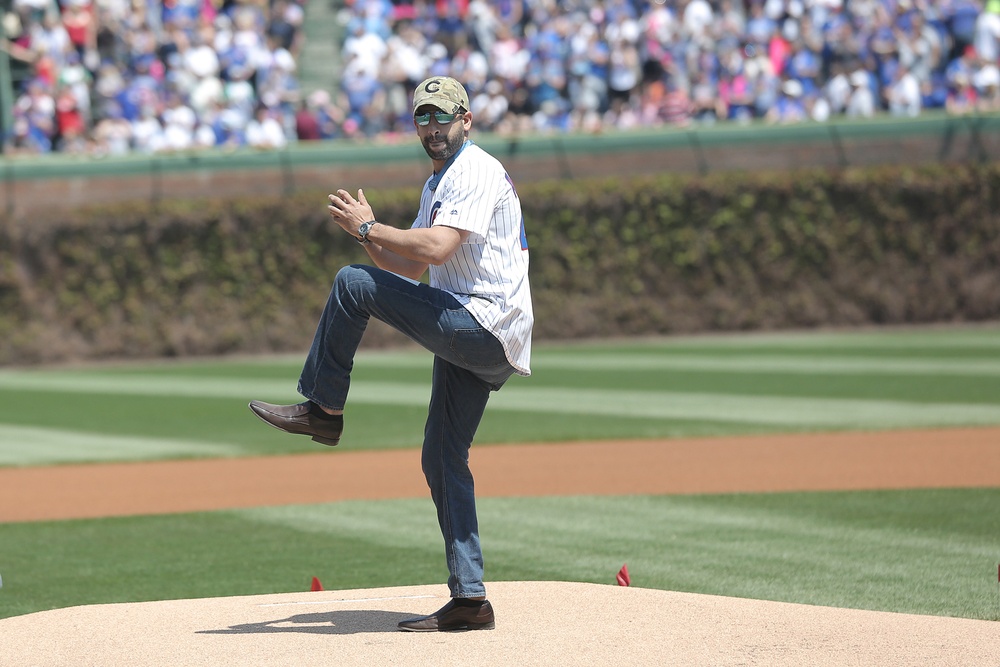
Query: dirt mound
column 538, row 623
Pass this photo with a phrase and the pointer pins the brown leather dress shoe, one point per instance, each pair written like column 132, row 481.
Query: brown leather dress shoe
column 297, row 419
column 453, row 617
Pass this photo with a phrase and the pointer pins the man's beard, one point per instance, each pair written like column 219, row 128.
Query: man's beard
column 451, row 146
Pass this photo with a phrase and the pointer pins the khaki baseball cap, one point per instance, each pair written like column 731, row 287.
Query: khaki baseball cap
column 443, row 92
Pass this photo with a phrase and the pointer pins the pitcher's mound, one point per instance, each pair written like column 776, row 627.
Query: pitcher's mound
column 538, row 623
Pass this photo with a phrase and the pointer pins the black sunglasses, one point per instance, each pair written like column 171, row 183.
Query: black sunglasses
column 441, row 117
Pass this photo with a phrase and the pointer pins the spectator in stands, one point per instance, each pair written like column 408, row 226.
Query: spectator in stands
column 450, row 24
column 76, row 78
column 483, row 21
column 861, row 102
column 760, row 27
column 331, row 115
column 285, row 25
column 803, row 65
column 920, row 46
column 179, row 122
column 306, row 123
column 735, row 94
column 147, row 131
column 764, row 81
column 960, row 18
column 201, row 67
column 490, row 106
column 229, row 124
column 277, row 84
column 675, row 108
column 705, row 100
column 559, row 66
column 49, row 39
column 837, row 89
column 264, row 131
column 962, row 97
column 624, row 69
column 363, row 49
column 789, row 107
column 365, row 97
column 903, row 96
column 25, row 139
column 112, row 135
column 70, row 129
column 37, row 107
column 400, row 68
column 987, row 84
column 962, row 68
column 80, row 24
column 987, row 32
column 181, row 14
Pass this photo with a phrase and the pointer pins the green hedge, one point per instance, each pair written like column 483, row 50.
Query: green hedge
column 608, row 258
column 732, row 252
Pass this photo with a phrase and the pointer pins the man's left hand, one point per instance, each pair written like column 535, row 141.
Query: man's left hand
column 348, row 212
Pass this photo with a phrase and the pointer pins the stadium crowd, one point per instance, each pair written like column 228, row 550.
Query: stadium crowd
column 115, row 76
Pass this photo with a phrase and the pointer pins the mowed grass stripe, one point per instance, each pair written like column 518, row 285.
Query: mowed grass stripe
column 411, row 524
column 669, row 359
column 923, row 551
column 25, row 445
column 147, row 385
column 656, row 388
column 771, row 364
column 888, row 338
column 855, row 550
column 773, row 410
column 805, row 412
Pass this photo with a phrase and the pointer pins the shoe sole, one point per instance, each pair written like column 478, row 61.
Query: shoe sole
column 461, row 628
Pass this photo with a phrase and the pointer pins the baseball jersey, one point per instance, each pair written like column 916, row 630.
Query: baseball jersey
column 489, row 272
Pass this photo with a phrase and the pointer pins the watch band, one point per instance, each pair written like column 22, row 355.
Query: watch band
column 363, row 231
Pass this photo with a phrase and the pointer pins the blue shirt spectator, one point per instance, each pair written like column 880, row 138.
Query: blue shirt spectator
column 561, row 66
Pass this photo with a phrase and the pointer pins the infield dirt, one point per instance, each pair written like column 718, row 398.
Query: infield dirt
column 790, row 462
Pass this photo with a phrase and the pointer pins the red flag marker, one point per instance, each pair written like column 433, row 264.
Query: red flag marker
column 623, row 578
column 316, row 586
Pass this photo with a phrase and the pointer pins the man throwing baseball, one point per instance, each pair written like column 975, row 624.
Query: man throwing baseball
column 474, row 315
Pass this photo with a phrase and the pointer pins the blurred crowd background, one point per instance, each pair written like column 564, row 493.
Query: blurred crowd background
column 116, row 76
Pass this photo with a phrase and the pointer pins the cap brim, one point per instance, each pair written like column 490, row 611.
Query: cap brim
column 443, row 103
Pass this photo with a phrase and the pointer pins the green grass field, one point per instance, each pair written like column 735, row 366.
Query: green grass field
column 920, row 551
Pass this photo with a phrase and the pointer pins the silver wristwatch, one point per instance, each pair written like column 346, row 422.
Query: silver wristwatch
column 363, row 231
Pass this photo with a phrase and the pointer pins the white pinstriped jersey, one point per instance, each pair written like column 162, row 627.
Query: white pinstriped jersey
column 489, row 272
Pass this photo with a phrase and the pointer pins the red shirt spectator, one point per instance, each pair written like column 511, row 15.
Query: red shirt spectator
column 306, row 123
column 69, row 120
column 78, row 19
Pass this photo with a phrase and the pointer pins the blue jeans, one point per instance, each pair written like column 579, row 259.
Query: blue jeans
column 469, row 363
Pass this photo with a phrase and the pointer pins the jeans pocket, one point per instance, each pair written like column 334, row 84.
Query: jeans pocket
column 477, row 349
